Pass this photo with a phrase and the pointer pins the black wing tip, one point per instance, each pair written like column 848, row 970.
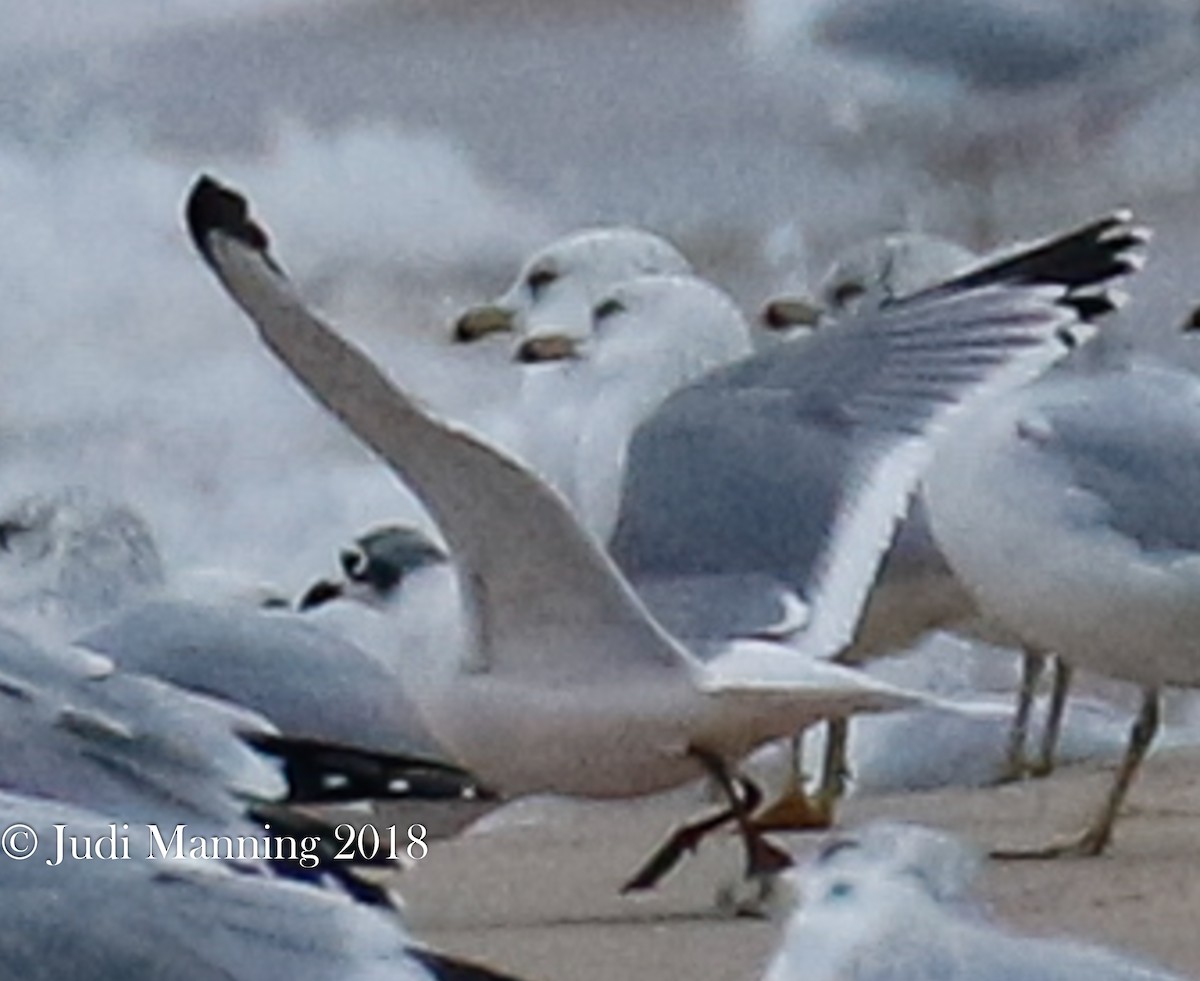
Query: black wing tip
column 1191, row 323
column 213, row 207
column 1084, row 262
column 319, row 771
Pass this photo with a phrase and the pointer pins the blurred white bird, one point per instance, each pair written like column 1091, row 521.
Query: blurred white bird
column 893, row 902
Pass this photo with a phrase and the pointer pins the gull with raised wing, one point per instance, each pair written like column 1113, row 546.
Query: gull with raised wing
column 568, row 684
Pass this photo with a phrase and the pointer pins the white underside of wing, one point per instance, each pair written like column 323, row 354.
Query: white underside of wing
column 866, row 523
column 750, row 666
column 528, row 570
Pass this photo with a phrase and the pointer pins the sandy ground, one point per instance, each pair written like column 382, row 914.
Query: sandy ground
column 542, row 900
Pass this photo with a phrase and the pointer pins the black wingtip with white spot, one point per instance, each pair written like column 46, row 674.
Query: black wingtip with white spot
column 212, row 207
column 1084, row 262
column 319, row 771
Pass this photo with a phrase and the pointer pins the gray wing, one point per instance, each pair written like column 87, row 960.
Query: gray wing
column 1130, row 439
column 192, row 921
column 309, row 683
column 75, row 731
column 720, row 607
column 797, row 463
column 1001, row 45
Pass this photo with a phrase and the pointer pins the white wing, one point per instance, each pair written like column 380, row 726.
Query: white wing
column 532, row 578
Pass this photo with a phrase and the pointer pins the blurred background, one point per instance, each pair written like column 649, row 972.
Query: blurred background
column 407, row 154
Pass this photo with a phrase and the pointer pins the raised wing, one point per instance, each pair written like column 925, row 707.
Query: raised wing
column 532, row 578
column 798, row 462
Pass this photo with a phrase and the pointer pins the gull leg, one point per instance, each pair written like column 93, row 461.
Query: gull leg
column 1063, row 673
column 837, row 769
column 794, row 810
column 1096, row 837
column 762, row 858
column 1032, row 665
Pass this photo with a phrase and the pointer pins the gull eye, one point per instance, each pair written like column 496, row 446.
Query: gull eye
column 539, row 279
column 608, row 308
column 840, row 890
column 354, row 563
column 8, row 530
column 847, row 293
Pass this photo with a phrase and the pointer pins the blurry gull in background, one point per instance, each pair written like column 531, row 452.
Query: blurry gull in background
column 895, row 901
column 568, row 683
column 871, row 274
column 309, row 682
column 547, row 315
column 969, row 90
column 70, row 557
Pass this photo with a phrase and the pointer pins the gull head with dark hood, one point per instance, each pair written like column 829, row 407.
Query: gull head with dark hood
column 375, row 566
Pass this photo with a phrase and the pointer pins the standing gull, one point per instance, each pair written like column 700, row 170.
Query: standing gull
column 568, row 683
column 582, row 398
column 1089, row 480
column 550, row 309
